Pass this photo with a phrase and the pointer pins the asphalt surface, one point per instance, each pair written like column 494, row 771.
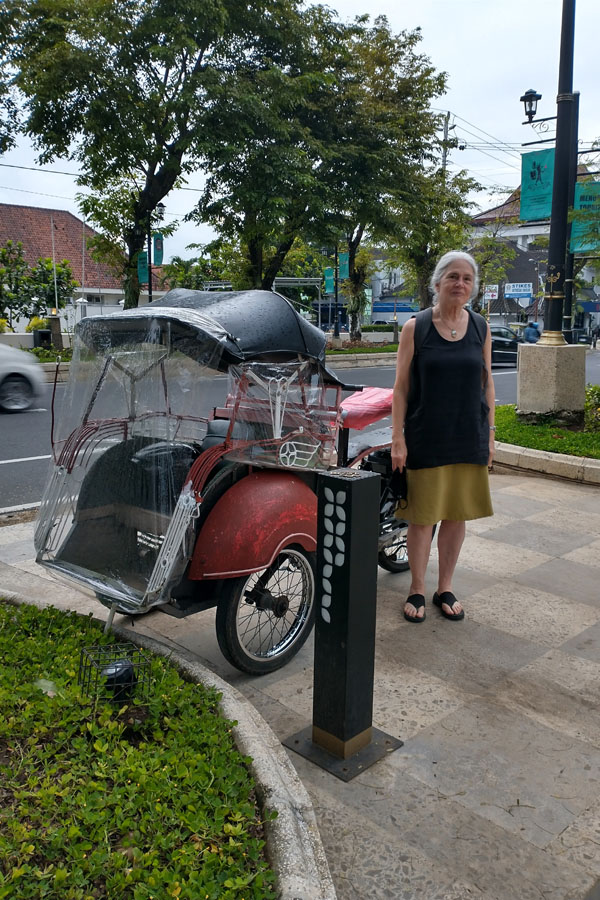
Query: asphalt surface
column 25, row 445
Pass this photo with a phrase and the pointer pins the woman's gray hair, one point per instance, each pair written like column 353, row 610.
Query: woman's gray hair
column 444, row 262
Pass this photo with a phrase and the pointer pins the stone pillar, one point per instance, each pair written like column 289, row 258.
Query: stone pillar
column 551, row 382
column 55, row 332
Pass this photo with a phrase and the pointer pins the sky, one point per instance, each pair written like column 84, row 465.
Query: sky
column 492, row 50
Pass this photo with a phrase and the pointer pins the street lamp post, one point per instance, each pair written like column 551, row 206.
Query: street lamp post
column 336, row 324
column 566, row 109
column 551, row 379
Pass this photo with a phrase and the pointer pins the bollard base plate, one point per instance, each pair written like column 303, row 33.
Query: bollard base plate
column 346, row 769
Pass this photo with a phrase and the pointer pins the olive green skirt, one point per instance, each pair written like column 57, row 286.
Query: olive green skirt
column 458, row 492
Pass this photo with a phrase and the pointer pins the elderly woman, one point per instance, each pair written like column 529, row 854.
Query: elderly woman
column 443, row 427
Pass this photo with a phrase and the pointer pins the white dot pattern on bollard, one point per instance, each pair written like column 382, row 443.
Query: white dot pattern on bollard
column 334, row 518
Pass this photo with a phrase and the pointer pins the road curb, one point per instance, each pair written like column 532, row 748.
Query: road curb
column 582, row 469
column 293, row 842
column 359, row 360
column 334, row 361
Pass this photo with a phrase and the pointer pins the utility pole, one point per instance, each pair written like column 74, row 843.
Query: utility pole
column 149, row 226
column 445, row 141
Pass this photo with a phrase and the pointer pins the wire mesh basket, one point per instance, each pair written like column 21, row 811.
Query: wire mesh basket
column 118, row 672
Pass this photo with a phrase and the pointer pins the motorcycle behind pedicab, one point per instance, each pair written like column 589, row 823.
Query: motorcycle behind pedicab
column 186, row 454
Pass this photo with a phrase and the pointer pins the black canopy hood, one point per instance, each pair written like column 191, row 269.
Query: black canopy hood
column 245, row 325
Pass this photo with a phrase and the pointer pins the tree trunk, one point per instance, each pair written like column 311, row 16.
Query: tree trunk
column 356, row 280
column 255, row 262
column 135, row 243
column 276, row 262
column 423, row 292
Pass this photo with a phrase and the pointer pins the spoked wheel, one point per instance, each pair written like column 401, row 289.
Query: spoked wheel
column 263, row 619
column 16, row 394
column 394, row 557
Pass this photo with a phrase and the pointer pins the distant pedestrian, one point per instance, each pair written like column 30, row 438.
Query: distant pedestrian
column 595, row 335
column 532, row 333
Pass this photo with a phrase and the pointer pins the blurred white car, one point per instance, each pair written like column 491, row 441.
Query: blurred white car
column 21, row 379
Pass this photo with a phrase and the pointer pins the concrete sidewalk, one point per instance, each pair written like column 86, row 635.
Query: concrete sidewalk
column 496, row 791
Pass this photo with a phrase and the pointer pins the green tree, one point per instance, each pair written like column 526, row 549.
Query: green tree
column 14, row 281
column 493, row 255
column 354, row 288
column 322, row 153
column 129, row 91
column 51, row 286
column 386, row 131
column 437, row 222
column 220, row 260
column 10, row 24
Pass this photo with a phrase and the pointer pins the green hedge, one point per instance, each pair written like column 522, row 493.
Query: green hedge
column 389, row 327
column 552, row 435
column 148, row 800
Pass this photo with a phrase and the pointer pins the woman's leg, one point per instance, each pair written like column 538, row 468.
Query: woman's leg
column 450, row 540
column 418, row 545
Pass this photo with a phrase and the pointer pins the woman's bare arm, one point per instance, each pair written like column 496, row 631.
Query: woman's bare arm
column 406, row 349
column 490, row 392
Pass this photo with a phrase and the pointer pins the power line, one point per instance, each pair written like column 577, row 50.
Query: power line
column 479, row 150
column 71, row 174
column 487, row 134
column 5, row 187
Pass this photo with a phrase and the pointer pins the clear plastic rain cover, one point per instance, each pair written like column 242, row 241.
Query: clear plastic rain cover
column 119, row 511
column 285, row 416
column 115, row 515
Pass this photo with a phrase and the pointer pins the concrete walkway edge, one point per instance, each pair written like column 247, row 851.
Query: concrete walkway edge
column 293, row 842
column 543, row 462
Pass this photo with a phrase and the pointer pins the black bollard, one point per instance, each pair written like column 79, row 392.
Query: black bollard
column 341, row 738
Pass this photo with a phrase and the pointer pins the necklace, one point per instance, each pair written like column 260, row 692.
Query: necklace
column 452, row 331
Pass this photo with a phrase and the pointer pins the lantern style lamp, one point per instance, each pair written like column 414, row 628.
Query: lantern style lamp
column 530, row 101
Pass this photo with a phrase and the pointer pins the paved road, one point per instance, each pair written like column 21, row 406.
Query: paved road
column 25, row 446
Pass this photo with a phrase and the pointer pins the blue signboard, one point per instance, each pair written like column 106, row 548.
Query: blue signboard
column 537, row 176
column 518, row 290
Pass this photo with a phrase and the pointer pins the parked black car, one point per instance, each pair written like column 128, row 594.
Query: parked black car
column 505, row 344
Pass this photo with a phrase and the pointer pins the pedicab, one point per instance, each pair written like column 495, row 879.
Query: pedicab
column 185, row 459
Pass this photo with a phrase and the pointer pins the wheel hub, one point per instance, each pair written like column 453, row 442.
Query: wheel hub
column 265, row 600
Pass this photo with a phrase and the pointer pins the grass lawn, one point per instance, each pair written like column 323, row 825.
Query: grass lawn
column 551, row 435
column 149, row 799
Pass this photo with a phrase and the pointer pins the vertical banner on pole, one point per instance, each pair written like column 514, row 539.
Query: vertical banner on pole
column 342, row 738
column 142, row 266
column 158, row 249
column 329, row 281
column 585, row 228
column 343, row 266
column 537, row 177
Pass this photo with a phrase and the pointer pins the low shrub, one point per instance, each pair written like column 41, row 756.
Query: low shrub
column 146, row 800
column 36, row 323
column 592, row 407
column 49, row 354
column 547, row 435
column 3, row 325
column 362, row 347
column 389, row 327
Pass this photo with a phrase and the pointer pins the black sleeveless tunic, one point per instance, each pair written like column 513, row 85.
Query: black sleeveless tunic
column 447, row 414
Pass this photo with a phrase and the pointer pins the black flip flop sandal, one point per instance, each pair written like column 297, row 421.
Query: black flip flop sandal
column 418, row 601
column 449, row 599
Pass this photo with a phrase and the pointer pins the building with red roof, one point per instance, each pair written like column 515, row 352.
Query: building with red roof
column 59, row 235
